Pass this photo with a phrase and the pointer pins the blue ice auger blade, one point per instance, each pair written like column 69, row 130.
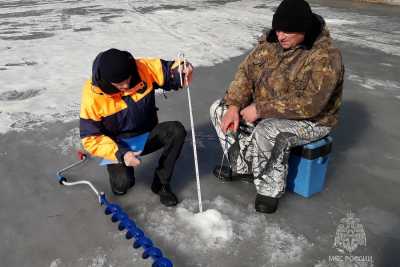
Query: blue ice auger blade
column 125, row 223
column 130, row 229
column 111, row 209
column 136, row 233
column 152, row 252
column 133, row 231
column 143, row 242
column 162, row 262
column 119, row 216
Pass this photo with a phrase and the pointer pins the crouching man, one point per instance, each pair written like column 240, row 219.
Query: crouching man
column 287, row 92
column 119, row 102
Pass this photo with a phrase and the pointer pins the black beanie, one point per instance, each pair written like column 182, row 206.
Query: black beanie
column 115, row 65
column 292, row 16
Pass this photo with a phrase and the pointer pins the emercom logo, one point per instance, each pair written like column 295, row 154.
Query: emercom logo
column 349, row 236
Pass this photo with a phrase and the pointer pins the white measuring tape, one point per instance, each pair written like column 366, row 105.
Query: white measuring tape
column 181, row 58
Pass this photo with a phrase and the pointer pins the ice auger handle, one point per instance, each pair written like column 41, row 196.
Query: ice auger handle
column 82, row 158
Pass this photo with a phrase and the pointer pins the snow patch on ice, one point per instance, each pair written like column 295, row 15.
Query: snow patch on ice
column 377, row 32
column 373, row 84
column 331, row 21
column 322, row 263
column 23, row 120
column 66, row 144
column 99, row 261
column 55, row 263
column 117, row 253
column 386, row 64
column 15, row 95
column 216, row 33
column 211, row 226
column 223, row 229
column 284, row 246
column 219, row 30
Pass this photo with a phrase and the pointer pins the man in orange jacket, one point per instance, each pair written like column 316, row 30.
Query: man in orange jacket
column 119, row 102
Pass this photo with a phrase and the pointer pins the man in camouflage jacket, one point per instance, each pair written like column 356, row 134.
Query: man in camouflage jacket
column 287, row 92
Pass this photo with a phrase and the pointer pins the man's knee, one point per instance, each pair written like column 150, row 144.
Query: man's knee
column 267, row 125
column 216, row 110
column 214, row 106
column 285, row 139
column 177, row 130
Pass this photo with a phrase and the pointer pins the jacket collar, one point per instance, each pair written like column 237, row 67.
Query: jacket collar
column 141, row 86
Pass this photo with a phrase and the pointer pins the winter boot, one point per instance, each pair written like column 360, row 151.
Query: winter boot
column 167, row 198
column 121, row 178
column 266, row 204
column 225, row 174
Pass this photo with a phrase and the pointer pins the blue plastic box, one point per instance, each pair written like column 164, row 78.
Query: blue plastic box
column 135, row 143
column 307, row 167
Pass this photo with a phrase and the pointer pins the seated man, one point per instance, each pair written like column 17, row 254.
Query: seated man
column 119, row 102
column 287, row 92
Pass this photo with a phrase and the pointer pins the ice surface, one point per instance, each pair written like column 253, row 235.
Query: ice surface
column 63, row 60
column 374, row 84
column 381, row 222
column 97, row 258
column 223, row 229
column 69, row 144
column 219, row 236
column 47, row 47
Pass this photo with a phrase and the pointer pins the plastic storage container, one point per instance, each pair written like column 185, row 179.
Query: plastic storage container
column 307, row 167
column 135, row 143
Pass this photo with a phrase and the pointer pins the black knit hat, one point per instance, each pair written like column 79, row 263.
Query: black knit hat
column 292, row 16
column 115, row 65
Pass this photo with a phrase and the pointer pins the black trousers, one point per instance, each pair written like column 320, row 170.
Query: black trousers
column 170, row 136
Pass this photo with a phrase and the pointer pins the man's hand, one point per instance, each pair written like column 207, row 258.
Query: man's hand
column 131, row 158
column 230, row 121
column 249, row 113
column 188, row 72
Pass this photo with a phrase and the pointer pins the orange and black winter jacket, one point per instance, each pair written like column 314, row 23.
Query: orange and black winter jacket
column 105, row 117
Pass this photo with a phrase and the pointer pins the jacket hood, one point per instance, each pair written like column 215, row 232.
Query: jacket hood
column 105, row 86
column 317, row 27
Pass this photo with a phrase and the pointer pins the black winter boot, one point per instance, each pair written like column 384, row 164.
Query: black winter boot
column 225, row 174
column 266, row 204
column 121, row 178
column 167, row 198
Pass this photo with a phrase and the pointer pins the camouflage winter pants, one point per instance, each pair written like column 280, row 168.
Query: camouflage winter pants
column 263, row 149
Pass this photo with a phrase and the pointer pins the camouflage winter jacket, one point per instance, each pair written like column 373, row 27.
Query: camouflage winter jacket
column 303, row 83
